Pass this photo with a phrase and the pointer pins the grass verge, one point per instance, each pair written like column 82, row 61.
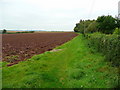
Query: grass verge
column 75, row 66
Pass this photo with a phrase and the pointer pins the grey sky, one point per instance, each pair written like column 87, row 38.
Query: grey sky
column 52, row 14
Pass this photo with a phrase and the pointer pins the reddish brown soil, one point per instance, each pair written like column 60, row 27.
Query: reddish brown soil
column 27, row 45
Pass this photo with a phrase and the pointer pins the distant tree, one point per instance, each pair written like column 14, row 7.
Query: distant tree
column 4, row 31
column 82, row 25
column 76, row 29
column 31, row 31
column 106, row 24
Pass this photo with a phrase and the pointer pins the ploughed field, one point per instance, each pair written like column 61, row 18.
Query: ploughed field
column 19, row 47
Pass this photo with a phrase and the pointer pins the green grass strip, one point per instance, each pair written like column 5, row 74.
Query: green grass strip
column 74, row 66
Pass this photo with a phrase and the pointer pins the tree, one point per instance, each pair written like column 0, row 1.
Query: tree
column 4, row 31
column 76, row 29
column 118, row 23
column 82, row 25
column 106, row 24
column 92, row 27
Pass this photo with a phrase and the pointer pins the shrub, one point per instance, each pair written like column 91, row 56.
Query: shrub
column 117, row 31
column 109, row 45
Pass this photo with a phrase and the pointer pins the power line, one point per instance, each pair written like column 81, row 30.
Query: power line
column 91, row 8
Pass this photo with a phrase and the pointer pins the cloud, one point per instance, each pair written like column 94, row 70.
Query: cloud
column 52, row 14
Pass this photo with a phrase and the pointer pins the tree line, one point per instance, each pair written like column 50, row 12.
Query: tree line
column 104, row 35
column 103, row 24
column 4, row 31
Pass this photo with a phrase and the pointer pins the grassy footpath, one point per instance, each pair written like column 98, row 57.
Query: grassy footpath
column 75, row 66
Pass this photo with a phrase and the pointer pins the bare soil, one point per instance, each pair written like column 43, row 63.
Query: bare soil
column 28, row 44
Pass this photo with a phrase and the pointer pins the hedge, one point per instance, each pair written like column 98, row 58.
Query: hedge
column 109, row 45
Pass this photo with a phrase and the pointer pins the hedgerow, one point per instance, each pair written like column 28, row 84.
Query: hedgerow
column 109, row 45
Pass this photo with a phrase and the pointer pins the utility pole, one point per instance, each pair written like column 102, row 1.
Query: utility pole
column 119, row 10
column 84, row 29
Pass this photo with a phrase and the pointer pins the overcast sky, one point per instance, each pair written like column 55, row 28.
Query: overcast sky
column 52, row 14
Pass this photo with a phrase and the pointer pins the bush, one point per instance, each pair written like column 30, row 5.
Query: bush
column 117, row 31
column 109, row 45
